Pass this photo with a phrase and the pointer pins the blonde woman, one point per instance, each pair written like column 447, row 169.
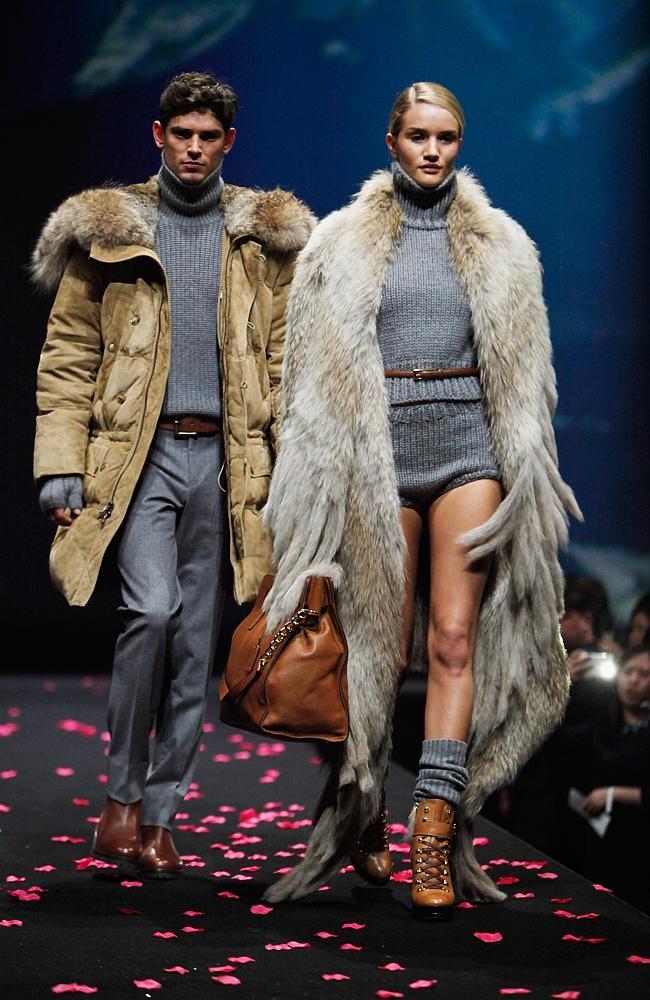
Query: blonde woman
column 417, row 401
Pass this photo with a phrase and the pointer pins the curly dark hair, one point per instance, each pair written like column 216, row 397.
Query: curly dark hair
column 194, row 91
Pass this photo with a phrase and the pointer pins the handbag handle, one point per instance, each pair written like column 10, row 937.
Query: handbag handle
column 303, row 618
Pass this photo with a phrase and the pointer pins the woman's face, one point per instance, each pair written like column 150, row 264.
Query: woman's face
column 633, row 681
column 427, row 144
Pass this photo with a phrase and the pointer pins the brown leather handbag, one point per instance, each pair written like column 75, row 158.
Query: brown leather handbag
column 292, row 684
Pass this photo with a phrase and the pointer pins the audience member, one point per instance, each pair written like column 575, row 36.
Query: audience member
column 607, row 758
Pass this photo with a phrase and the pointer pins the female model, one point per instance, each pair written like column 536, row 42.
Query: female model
column 417, row 399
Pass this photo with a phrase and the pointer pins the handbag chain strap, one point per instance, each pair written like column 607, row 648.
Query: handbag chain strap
column 303, row 618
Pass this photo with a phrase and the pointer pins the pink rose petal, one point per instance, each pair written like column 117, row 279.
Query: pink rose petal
column 260, row 910
column 64, row 772
column 7, row 775
column 65, row 839
column 11, row 923
column 164, row 934
column 147, row 984
column 565, row 899
column 193, row 930
column 507, row 880
column 131, row 885
column 567, row 995
column 601, row 888
column 45, row 868
column 386, row 994
column 325, row 934
column 513, row 991
column 227, row 980
column 240, row 959
column 193, row 913
column 480, row 842
column 333, row 976
column 177, row 968
column 353, row 927
column 546, row 875
column 392, row 967
column 638, row 960
column 523, row 895
column 350, row 947
column 423, row 984
column 73, row 988
column 487, row 937
column 466, row 906
column 222, row 968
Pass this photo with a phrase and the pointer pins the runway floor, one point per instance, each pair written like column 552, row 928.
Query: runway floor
column 67, row 928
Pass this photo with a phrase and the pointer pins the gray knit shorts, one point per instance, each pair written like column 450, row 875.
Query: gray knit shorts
column 438, row 446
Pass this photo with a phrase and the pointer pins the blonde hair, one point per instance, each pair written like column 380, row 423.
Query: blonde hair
column 427, row 93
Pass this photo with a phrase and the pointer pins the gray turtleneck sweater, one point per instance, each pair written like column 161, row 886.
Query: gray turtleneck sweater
column 424, row 319
column 188, row 242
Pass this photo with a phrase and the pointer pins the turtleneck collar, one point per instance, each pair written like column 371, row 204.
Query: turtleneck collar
column 425, row 208
column 189, row 199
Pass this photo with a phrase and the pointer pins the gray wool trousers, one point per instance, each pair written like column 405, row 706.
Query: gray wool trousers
column 170, row 563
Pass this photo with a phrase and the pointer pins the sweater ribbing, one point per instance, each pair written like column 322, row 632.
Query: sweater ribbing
column 424, row 319
column 188, row 242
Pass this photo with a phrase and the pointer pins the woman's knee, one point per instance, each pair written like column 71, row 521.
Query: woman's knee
column 450, row 648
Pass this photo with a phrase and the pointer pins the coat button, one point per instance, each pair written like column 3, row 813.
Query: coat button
column 111, row 347
column 251, row 326
column 135, row 319
column 244, row 385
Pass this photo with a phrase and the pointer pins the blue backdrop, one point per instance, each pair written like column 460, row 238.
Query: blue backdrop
column 554, row 92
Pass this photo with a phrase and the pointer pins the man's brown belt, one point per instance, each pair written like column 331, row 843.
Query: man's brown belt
column 428, row 373
column 191, row 426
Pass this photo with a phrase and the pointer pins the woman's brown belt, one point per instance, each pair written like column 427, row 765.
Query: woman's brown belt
column 426, row 373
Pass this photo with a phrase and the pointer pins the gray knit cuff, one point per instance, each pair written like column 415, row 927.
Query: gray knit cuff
column 61, row 491
column 442, row 773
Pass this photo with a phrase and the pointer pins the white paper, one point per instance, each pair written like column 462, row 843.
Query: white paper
column 598, row 823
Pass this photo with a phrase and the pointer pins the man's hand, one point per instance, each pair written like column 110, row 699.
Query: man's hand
column 595, row 801
column 579, row 663
column 61, row 498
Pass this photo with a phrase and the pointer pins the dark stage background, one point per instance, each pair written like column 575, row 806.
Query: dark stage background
column 555, row 95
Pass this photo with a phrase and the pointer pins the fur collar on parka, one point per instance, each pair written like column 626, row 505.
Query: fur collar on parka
column 333, row 507
column 122, row 216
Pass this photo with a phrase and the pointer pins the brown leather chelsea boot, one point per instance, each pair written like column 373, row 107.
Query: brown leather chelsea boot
column 117, row 835
column 159, row 857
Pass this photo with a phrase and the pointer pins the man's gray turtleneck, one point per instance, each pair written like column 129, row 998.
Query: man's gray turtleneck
column 424, row 318
column 188, row 242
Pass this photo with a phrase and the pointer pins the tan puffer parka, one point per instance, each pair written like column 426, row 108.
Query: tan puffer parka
column 104, row 365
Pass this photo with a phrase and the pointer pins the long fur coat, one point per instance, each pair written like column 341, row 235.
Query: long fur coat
column 333, row 507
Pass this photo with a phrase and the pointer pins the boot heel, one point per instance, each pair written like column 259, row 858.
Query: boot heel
column 433, row 914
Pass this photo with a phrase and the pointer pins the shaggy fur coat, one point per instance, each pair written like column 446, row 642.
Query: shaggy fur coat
column 333, row 507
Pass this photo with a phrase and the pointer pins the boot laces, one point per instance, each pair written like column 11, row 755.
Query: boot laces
column 431, row 862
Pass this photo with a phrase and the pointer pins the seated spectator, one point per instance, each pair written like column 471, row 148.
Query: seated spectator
column 638, row 629
column 586, row 616
column 608, row 759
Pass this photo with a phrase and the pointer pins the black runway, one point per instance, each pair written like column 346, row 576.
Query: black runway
column 66, row 927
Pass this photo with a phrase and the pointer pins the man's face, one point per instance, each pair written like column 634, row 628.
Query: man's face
column 193, row 145
column 577, row 629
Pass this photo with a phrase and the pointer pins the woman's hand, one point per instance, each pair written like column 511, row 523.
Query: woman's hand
column 595, row 801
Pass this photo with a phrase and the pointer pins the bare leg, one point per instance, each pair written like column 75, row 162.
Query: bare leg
column 455, row 599
column 412, row 524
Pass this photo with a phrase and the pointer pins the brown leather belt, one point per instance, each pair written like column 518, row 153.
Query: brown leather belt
column 185, row 427
column 426, row 373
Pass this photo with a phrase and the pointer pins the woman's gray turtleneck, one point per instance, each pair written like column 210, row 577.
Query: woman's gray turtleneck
column 424, row 319
column 188, row 242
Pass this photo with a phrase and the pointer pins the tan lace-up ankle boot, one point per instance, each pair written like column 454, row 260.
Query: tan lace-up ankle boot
column 432, row 892
column 371, row 857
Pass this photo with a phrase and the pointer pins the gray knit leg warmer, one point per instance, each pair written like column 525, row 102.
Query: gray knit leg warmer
column 442, row 773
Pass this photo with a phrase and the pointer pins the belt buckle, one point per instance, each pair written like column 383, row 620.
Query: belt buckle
column 183, row 434
column 418, row 374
